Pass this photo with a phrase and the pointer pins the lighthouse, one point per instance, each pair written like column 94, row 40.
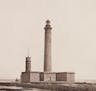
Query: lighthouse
column 47, row 75
column 47, row 48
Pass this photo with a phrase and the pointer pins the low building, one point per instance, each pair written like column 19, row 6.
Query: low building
column 27, row 77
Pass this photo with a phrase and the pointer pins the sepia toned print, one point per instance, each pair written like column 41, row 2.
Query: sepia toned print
column 47, row 45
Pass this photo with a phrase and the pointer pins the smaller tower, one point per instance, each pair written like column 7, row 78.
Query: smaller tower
column 28, row 64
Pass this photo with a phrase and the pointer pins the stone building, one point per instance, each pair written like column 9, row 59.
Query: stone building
column 47, row 75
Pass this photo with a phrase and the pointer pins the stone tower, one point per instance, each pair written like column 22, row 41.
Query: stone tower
column 28, row 64
column 47, row 48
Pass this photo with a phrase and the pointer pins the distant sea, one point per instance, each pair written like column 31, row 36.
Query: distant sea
column 7, row 80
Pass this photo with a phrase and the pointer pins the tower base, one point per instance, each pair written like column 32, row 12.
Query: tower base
column 27, row 77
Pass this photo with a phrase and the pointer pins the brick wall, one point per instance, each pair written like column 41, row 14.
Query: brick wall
column 65, row 76
column 70, row 77
column 61, row 77
column 34, row 76
column 25, row 77
column 49, row 77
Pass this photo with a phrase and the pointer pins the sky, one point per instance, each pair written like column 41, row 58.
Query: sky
column 22, row 25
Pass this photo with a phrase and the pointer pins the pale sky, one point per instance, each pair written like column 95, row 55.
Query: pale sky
column 73, row 36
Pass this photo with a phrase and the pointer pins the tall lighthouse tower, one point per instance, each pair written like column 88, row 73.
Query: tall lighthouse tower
column 47, row 48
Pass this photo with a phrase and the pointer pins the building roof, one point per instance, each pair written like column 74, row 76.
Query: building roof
column 51, row 72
